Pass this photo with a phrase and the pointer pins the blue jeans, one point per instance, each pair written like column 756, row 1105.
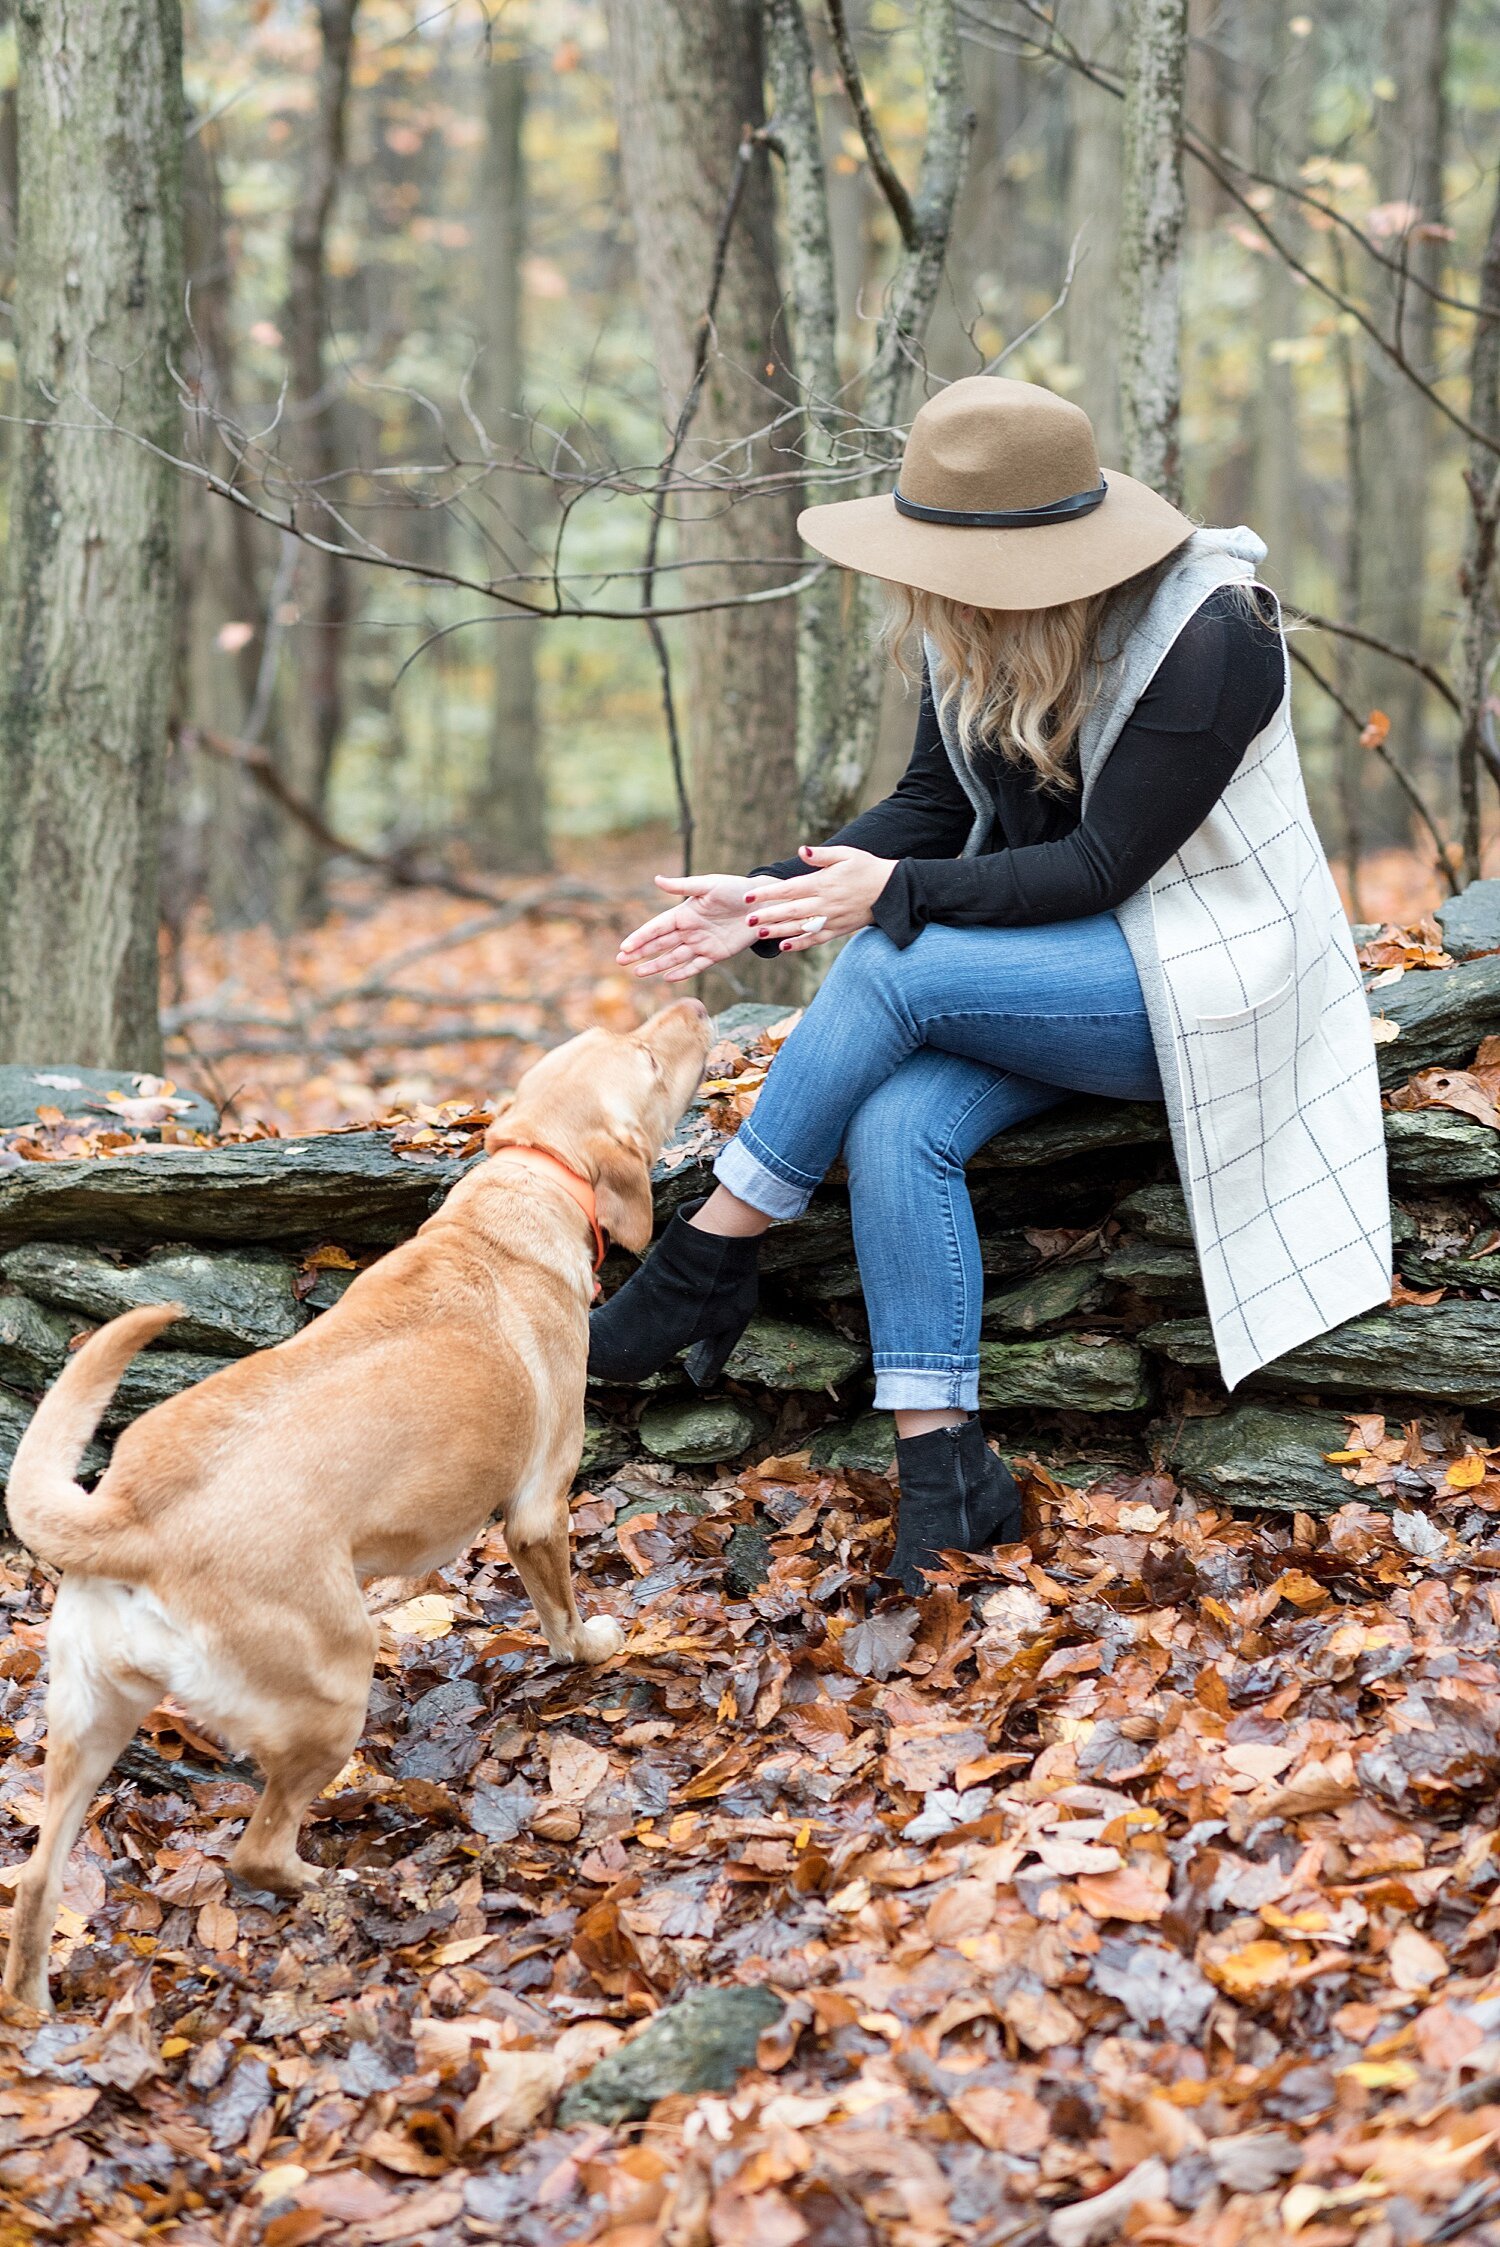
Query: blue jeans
column 911, row 1060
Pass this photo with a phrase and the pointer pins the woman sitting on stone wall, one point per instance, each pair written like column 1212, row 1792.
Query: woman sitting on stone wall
column 1099, row 874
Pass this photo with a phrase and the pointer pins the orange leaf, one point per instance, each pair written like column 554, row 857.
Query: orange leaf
column 1377, row 730
column 1465, row 1473
column 1120, row 1895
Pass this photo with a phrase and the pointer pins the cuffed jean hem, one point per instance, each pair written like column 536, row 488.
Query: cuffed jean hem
column 758, row 1179
column 926, row 1388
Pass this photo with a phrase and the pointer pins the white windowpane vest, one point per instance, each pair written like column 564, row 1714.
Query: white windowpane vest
column 1260, row 1024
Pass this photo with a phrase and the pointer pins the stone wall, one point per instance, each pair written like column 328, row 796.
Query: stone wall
column 1095, row 1345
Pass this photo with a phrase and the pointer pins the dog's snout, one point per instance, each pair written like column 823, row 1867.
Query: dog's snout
column 689, row 1016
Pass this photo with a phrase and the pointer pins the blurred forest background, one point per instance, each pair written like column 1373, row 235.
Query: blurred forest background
column 416, row 397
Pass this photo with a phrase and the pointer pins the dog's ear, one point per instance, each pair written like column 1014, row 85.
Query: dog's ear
column 504, row 1102
column 622, row 1188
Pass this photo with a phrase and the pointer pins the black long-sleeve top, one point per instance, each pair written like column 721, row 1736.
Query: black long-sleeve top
column 1216, row 688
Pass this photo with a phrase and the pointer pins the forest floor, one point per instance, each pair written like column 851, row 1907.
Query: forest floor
column 405, row 997
column 1139, row 1882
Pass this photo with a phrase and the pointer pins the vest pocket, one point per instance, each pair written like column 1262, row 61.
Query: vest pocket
column 1244, row 1074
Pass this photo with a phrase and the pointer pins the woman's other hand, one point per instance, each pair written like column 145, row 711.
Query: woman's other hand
column 816, row 907
column 711, row 924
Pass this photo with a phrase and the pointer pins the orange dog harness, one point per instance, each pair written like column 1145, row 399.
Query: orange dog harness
column 572, row 1182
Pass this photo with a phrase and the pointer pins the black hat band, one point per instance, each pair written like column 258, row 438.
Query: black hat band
column 1004, row 518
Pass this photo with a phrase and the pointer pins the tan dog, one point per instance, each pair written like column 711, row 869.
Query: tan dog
column 221, row 1557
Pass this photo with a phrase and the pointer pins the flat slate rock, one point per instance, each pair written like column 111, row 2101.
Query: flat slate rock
column 1160, row 1212
column 604, row 1445
column 153, row 1377
column 33, row 1341
column 867, row 1444
column 1044, row 1300
column 350, row 1187
column 1471, row 922
column 1081, row 1126
column 822, row 1236
column 747, row 1559
column 1157, row 1271
column 698, row 1432
column 232, row 1303
column 1440, row 1013
column 1447, row 1351
column 83, row 1093
column 1256, row 1456
column 1423, row 1268
column 1438, row 1147
column 704, row 2042
column 781, row 1354
column 1067, row 1371
column 15, row 1414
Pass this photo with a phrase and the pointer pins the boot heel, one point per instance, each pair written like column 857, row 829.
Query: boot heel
column 706, row 1360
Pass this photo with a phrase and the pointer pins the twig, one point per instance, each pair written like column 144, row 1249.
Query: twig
column 892, row 186
column 1220, row 166
column 259, row 763
column 432, row 573
column 744, row 156
column 536, row 897
column 1379, row 749
column 1412, row 661
column 355, row 1042
column 1293, row 189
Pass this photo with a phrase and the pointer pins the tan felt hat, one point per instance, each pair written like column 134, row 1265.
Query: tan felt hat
column 1001, row 504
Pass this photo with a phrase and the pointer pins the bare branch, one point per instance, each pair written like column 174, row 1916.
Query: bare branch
column 892, row 187
column 1222, row 168
column 744, row 156
column 1413, row 662
column 397, row 867
column 1378, row 749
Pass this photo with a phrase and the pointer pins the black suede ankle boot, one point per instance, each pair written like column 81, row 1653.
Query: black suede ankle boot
column 694, row 1287
column 955, row 1496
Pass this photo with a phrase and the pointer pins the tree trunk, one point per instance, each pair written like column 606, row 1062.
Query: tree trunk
column 1091, row 316
column 1477, row 742
column 687, row 83
column 1399, row 425
column 220, row 575
column 508, row 823
column 89, row 600
column 1151, row 245
column 840, row 734
column 312, row 708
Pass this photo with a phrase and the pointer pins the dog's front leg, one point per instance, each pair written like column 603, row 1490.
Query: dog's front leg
column 536, row 1537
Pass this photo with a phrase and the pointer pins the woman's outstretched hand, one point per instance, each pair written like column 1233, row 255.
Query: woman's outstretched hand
column 711, row 924
column 815, row 907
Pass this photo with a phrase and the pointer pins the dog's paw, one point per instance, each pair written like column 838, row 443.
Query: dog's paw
column 287, row 1878
column 600, row 1637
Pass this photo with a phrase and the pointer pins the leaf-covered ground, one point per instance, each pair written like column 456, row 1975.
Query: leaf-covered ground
column 1138, row 1884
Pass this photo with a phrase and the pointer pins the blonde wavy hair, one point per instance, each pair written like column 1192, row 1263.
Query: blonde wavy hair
column 1020, row 682
column 1016, row 682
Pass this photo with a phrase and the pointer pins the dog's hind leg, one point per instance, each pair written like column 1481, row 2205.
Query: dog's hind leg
column 536, row 1537
column 92, row 1713
column 319, row 1725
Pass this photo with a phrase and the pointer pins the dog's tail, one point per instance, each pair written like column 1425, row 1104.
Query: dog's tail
column 49, row 1511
